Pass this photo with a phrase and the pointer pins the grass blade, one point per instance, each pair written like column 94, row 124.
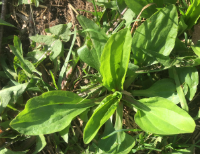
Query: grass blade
column 66, row 61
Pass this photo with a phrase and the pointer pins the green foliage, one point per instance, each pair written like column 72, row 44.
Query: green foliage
column 160, row 119
column 102, row 113
column 192, row 14
column 61, row 106
column 26, row 65
column 61, row 30
column 143, row 74
column 91, row 54
column 115, row 59
column 155, row 38
column 55, row 45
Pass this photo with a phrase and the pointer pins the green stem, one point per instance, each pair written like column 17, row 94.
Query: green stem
column 119, row 120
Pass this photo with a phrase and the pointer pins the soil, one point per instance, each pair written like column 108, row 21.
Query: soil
column 49, row 13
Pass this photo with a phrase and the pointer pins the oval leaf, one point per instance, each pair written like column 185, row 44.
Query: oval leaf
column 102, row 113
column 89, row 56
column 155, row 38
column 51, row 112
column 159, row 89
column 115, row 59
column 164, row 117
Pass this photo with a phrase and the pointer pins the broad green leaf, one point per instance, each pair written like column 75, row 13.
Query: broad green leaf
column 156, row 36
column 159, row 89
column 7, row 151
column 98, row 39
column 89, row 56
column 48, row 40
column 62, row 30
column 112, row 145
column 190, row 77
column 137, row 5
column 102, row 113
column 40, row 144
column 164, row 117
column 115, row 60
column 2, row 22
column 51, row 112
column 57, row 49
column 192, row 14
column 12, row 93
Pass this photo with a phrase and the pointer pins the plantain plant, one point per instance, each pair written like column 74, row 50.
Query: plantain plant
column 113, row 56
